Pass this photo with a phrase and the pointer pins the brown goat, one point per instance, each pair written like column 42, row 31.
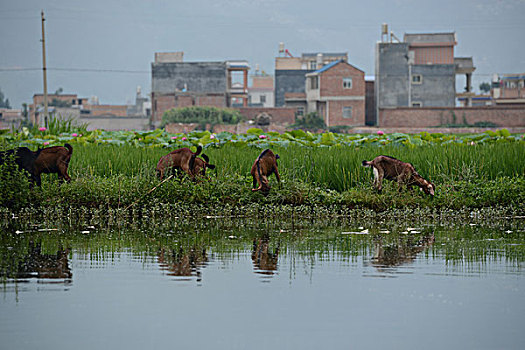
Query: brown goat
column 264, row 166
column 54, row 160
column 393, row 169
column 186, row 160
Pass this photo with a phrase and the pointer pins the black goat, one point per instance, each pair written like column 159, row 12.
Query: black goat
column 24, row 159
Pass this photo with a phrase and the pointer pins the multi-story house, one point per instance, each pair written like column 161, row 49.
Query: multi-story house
column 509, row 90
column 420, row 71
column 290, row 71
column 260, row 94
column 181, row 84
column 337, row 93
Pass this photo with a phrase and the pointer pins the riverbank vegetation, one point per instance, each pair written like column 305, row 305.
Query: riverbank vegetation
column 115, row 171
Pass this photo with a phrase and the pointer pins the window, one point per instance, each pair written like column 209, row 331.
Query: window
column 300, row 110
column 417, row 104
column 417, row 79
column 314, row 83
column 263, row 98
column 347, row 112
column 347, row 83
column 313, row 65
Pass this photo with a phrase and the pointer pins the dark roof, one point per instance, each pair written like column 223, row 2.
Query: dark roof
column 330, row 65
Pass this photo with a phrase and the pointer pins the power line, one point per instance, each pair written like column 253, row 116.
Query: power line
column 94, row 70
column 130, row 71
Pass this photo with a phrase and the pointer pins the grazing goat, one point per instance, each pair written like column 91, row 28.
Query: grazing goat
column 393, row 169
column 54, row 160
column 264, row 166
column 24, row 159
column 186, row 160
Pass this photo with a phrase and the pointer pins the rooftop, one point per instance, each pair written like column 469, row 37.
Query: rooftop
column 325, row 54
column 430, row 38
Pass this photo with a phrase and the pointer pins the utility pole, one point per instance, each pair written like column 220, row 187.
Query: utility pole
column 44, row 68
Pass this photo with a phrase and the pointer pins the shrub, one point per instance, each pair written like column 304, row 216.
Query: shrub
column 310, row 121
column 14, row 185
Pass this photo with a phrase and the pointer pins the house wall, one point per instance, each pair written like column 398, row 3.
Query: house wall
column 288, row 81
column 331, row 83
column 393, row 85
column 114, row 110
column 433, row 117
column 391, row 74
column 433, row 54
column 336, row 97
column 335, row 113
column 370, row 103
column 198, row 77
column 282, row 115
column 438, row 86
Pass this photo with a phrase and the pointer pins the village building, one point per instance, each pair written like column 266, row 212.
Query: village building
column 336, row 92
column 176, row 83
column 290, row 71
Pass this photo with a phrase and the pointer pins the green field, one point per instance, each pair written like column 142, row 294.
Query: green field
column 114, row 170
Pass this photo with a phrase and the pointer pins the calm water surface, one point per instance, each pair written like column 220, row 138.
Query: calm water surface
column 247, row 284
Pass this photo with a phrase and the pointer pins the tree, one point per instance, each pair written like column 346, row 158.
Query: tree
column 4, row 103
column 484, row 87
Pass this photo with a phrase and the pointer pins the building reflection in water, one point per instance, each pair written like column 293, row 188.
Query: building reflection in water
column 34, row 264
column 403, row 251
column 182, row 263
column 265, row 259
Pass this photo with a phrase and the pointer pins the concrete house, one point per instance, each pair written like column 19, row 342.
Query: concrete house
column 261, row 93
column 420, row 71
column 337, row 93
column 175, row 83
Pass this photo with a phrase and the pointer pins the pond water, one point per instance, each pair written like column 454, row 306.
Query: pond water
column 237, row 284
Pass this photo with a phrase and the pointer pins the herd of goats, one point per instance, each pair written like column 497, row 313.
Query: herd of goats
column 56, row 160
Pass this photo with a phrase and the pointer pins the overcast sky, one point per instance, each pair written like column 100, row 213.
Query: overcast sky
column 105, row 48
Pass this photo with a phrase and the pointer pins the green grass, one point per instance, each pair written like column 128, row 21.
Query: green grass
column 115, row 176
column 335, row 168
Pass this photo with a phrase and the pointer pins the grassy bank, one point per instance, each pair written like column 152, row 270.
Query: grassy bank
column 113, row 177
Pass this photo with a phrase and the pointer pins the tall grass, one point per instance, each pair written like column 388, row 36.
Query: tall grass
column 336, row 168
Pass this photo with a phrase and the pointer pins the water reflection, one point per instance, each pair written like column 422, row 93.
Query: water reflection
column 180, row 263
column 35, row 264
column 402, row 251
column 265, row 260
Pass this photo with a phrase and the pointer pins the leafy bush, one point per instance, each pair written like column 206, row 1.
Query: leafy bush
column 310, row 121
column 14, row 185
column 201, row 115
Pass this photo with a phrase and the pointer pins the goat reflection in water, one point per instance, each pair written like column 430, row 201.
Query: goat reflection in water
column 183, row 263
column 403, row 251
column 264, row 260
column 34, row 264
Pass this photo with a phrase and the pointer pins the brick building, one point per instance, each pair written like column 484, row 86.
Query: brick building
column 181, row 84
column 10, row 118
column 290, row 71
column 337, row 93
